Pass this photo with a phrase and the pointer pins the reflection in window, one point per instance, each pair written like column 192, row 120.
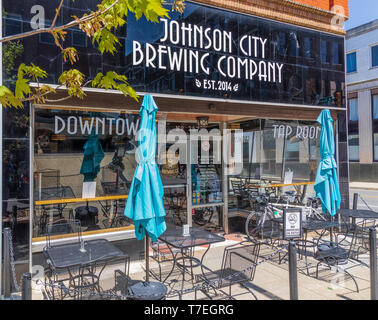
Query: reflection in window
column 324, row 51
column 353, row 138
column 76, row 146
column 351, row 62
column 45, row 37
column 79, row 39
column 13, row 24
column 282, row 43
column 275, row 146
column 294, row 44
column 307, row 47
column 335, row 53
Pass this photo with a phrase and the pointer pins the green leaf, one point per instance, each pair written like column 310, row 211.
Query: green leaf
column 113, row 80
column 7, row 98
column 73, row 80
column 22, row 88
column 106, row 41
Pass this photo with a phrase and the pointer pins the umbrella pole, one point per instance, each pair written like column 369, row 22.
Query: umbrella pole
column 147, row 256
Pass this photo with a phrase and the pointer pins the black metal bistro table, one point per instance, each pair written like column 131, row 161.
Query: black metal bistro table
column 316, row 225
column 69, row 256
column 174, row 238
column 357, row 214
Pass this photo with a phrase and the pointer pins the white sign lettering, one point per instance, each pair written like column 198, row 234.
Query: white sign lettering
column 190, row 59
column 73, row 125
column 301, row 132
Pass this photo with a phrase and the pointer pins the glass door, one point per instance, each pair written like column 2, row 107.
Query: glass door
column 204, row 180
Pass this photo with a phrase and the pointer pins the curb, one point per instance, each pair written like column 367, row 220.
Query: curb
column 364, row 188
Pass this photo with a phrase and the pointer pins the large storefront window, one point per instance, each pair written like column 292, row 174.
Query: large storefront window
column 274, row 148
column 83, row 154
column 353, row 137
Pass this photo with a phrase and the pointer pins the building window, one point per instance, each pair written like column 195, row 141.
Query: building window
column 307, row 47
column 61, row 139
column 374, row 56
column 375, row 125
column 335, row 53
column 351, row 62
column 324, row 55
column 79, row 38
column 12, row 24
column 353, row 138
column 47, row 38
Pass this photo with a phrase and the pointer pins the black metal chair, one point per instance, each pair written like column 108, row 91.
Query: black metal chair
column 86, row 282
column 64, row 227
column 175, row 202
column 239, row 264
column 244, row 192
column 344, row 251
column 53, row 276
column 163, row 255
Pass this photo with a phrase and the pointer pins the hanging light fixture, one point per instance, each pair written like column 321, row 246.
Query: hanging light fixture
column 202, row 122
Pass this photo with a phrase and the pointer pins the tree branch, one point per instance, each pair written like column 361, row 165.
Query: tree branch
column 57, row 14
column 51, row 29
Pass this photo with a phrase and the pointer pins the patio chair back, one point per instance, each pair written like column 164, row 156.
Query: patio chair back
column 237, row 187
column 64, row 227
column 237, row 258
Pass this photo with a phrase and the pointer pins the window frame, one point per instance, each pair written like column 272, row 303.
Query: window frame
column 14, row 17
column 346, row 62
column 375, row 45
column 358, row 132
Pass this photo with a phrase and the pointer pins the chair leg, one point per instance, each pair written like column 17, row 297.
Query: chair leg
column 250, row 291
column 354, row 280
column 317, row 270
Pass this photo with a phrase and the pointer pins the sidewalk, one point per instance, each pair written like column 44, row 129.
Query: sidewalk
column 271, row 280
column 364, row 185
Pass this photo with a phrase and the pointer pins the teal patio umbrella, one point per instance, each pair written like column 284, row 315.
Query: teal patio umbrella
column 326, row 181
column 93, row 155
column 145, row 200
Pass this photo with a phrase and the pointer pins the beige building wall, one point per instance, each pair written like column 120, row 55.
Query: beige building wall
column 365, row 126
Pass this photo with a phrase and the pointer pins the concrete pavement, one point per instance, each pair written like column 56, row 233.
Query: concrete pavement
column 363, row 185
column 271, row 280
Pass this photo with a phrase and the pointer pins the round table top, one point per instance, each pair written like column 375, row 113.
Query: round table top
column 367, row 214
column 84, row 210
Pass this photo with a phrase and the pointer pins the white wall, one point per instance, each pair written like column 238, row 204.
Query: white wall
column 362, row 45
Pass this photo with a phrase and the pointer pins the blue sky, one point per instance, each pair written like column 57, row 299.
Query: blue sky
column 360, row 12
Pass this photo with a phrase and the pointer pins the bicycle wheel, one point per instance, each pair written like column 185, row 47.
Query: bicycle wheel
column 252, row 226
column 256, row 228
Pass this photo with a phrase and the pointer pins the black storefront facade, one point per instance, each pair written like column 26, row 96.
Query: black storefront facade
column 263, row 80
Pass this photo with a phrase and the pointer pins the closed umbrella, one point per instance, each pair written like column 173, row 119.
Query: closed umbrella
column 90, row 167
column 326, row 182
column 93, row 155
column 145, row 200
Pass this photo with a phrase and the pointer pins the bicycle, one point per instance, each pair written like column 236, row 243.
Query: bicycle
column 266, row 219
column 264, row 222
